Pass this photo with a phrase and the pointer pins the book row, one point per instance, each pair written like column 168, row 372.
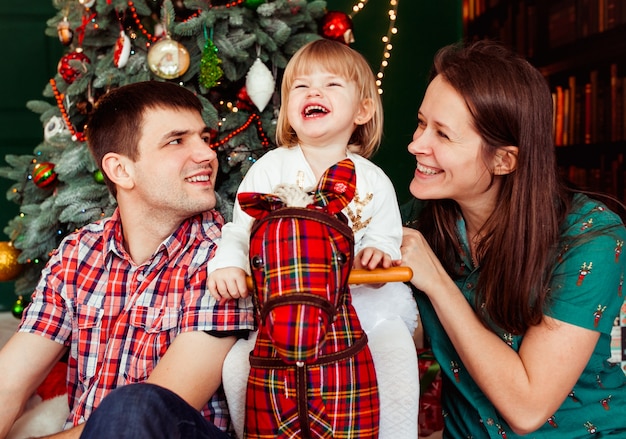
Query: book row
column 570, row 20
column 590, row 108
column 608, row 178
column 521, row 24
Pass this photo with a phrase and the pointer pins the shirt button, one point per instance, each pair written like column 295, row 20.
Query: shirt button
column 469, row 285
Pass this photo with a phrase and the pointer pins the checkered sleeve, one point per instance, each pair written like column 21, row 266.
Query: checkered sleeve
column 201, row 312
column 47, row 313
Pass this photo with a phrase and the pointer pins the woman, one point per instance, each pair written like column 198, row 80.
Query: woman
column 519, row 278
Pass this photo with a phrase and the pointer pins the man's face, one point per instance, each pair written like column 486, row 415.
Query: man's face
column 176, row 170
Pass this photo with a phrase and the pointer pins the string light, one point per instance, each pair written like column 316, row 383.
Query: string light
column 386, row 39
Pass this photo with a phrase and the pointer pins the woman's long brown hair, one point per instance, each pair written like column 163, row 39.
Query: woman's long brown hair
column 510, row 104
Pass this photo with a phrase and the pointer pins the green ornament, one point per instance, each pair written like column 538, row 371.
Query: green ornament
column 253, row 4
column 18, row 308
column 210, row 70
column 98, row 177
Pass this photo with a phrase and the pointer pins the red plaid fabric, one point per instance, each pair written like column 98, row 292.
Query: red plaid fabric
column 308, row 252
column 300, row 256
column 430, row 414
column 118, row 318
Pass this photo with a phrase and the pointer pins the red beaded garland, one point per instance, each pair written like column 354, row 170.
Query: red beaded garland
column 253, row 118
column 66, row 118
column 153, row 38
column 235, row 3
column 142, row 29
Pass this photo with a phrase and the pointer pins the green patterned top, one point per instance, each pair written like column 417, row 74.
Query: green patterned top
column 587, row 292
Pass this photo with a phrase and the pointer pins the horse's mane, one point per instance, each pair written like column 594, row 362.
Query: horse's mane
column 293, row 195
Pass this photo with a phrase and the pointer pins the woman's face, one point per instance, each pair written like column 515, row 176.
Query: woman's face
column 448, row 150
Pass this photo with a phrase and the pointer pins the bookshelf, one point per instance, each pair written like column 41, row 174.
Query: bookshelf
column 580, row 47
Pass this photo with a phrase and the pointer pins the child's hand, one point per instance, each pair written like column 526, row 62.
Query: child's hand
column 228, row 283
column 371, row 258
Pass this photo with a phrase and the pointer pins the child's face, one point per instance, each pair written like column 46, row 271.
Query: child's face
column 324, row 108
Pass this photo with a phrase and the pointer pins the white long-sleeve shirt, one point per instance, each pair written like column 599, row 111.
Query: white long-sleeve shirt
column 373, row 214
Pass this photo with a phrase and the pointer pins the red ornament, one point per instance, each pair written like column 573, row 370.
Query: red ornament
column 121, row 52
column 295, row 9
column 243, row 100
column 68, row 72
column 213, row 135
column 337, row 26
column 44, row 175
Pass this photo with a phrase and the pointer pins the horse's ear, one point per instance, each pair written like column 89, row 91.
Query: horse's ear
column 337, row 187
column 259, row 205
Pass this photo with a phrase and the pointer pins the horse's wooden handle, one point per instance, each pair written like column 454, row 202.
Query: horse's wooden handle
column 376, row 276
column 380, row 275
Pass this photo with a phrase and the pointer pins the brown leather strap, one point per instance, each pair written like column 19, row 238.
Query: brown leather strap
column 278, row 363
column 302, row 386
column 299, row 299
column 302, row 379
column 332, row 221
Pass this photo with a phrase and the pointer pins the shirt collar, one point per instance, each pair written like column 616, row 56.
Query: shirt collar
column 190, row 229
column 113, row 239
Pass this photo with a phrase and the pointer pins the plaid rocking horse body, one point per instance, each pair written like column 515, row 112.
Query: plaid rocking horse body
column 311, row 371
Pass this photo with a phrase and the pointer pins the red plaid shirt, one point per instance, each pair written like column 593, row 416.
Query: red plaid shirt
column 118, row 318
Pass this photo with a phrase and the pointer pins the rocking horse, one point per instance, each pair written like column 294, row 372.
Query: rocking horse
column 311, row 372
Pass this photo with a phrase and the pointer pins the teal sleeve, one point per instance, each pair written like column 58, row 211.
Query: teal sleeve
column 586, row 289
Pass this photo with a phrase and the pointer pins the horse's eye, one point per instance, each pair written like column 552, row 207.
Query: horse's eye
column 257, row 262
column 342, row 258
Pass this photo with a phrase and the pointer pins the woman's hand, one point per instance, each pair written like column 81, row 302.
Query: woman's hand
column 428, row 273
column 526, row 386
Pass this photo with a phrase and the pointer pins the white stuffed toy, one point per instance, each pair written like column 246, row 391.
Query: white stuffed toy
column 41, row 418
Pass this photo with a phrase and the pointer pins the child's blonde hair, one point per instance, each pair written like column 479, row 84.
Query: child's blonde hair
column 341, row 60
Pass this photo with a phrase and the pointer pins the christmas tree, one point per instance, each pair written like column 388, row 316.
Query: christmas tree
column 230, row 53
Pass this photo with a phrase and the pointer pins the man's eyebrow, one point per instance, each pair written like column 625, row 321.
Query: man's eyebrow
column 181, row 133
column 174, row 133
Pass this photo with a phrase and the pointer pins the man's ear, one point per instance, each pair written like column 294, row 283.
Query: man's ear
column 365, row 113
column 505, row 160
column 119, row 170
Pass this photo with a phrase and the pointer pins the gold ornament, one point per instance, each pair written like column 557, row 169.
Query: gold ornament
column 168, row 59
column 9, row 267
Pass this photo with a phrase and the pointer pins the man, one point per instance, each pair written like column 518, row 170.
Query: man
column 120, row 293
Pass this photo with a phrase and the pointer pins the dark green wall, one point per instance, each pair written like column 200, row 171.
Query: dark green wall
column 423, row 28
column 30, row 61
